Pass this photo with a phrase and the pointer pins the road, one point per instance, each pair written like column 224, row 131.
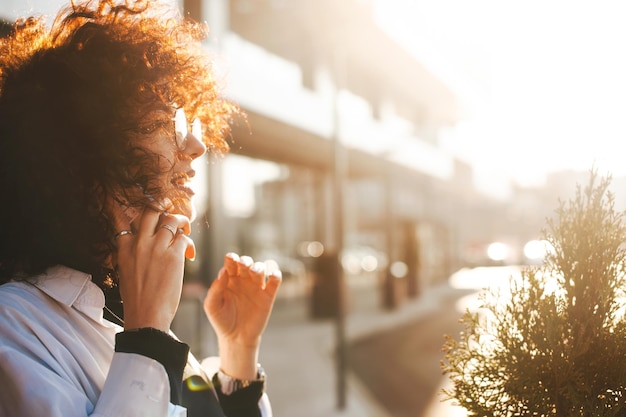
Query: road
column 406, row 378
column 394, row 356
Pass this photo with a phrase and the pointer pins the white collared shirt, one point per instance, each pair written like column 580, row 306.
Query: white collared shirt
column 57, row 355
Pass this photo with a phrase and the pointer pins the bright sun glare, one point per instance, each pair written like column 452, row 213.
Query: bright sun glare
column 542, row 81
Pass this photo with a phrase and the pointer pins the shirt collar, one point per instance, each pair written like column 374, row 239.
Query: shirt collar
column 73, row 289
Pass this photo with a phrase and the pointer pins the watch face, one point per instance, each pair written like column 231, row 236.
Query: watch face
column 229, row 384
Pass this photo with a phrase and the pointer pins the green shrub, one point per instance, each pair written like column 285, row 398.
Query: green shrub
column 554, row 342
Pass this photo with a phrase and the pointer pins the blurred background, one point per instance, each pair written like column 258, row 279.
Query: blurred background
column 393, row 150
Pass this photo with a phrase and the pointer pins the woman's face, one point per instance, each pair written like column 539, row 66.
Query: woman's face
column 168, row 136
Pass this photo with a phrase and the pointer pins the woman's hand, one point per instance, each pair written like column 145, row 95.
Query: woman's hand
column 238, row 305
column 151, row 262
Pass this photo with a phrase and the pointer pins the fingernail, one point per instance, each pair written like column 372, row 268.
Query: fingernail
column 190, row 253
column 246, row 260
column 258, row 267
column 233, row 256
column 277, row 273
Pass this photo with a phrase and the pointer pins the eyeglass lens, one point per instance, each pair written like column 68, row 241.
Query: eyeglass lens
column 181, row 127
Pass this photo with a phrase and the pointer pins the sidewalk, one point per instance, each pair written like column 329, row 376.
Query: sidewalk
column 297, row 353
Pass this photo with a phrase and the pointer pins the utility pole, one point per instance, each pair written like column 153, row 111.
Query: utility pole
column 339, row 178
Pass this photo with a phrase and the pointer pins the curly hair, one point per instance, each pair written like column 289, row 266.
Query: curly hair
column 69, row 96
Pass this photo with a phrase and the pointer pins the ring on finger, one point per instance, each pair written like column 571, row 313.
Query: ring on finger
column 174, row 230
column 171, row 229
column 122, row 233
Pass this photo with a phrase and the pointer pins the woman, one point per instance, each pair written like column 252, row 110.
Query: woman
column 95, row 161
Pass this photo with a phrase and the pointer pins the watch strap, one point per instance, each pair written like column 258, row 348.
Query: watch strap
column 228, row 384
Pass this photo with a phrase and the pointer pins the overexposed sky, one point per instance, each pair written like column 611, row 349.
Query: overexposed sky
column 543, row 82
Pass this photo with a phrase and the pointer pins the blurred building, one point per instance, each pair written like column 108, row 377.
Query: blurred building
column 314, row 74
column 339, row 154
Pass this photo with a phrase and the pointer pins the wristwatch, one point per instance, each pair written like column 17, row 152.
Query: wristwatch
column 228, row 384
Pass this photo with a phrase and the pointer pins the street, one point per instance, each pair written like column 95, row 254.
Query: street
column 401, row 366
column 393, row 356
column 393, row 359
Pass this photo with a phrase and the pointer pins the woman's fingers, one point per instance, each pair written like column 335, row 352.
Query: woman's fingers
column 245, row 262
column 174, row 223
column 170, row 227
column 152, row 275
column 160, row 228
column 273, row 282
column 182, row 223
column 244, row 267
column 231, row 263
column 257, row 273
column 184, row 244
column 116, row 213
column 214, row 296
column 121, row 224
column 146, row 222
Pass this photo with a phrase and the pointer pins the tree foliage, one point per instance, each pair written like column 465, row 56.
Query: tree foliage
column 554, row 342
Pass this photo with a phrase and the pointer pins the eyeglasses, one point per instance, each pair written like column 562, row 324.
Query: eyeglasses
column 182, row 128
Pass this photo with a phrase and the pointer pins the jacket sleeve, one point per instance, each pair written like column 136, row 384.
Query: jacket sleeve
column 59, row 359
column 163, row 348
column 135, row 385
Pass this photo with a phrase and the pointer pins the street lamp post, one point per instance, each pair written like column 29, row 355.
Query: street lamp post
column 339, row 175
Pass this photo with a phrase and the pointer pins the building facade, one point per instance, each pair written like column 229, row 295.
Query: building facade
column 338, row 158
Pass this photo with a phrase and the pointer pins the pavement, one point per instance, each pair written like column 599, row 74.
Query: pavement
column 298, row 355
column 297, row 351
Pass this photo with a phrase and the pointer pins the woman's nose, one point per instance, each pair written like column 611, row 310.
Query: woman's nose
column 194, row 147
